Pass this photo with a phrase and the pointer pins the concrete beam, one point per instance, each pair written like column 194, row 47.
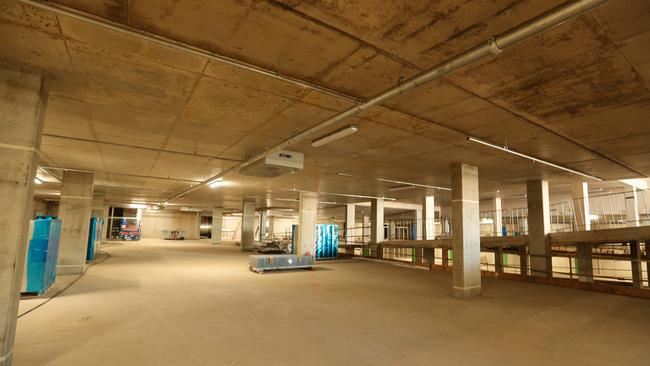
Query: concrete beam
column 23, row 100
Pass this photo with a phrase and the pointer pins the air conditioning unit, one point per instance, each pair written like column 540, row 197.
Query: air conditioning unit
column 275, row 164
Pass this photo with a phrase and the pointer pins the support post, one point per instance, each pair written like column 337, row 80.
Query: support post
column 262, row 235
column 585, row 262
column 419, row 224
column 637, row 267
column 306, row 243
column 429, row 218
column 498, row 216
column 217, row 225
column 74, row 212
column 498, row 261
column 248, row 226
column 539, row 225
column 466, row 231
column 377, row 221
column 23, row 100
column 349, row 223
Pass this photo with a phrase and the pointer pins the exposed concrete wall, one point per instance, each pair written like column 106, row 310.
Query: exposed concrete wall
column 74, row 211
column 153, row 223
column 23, row 99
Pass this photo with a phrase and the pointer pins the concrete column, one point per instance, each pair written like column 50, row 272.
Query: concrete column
column 466, row 237
column 271, row 229
column 100, row 209
column 539, row 225
column 217, row 225
column 498, row 261
column 498, row 216
column 419, row 225
column 585, row 263
column 365, row 228
column 349, row 223
column 106, row 215
column 306, row 243
column 377, row 221
column 74, row 211
column 647, row 257
column 23, row 100
column 632, row 206
column 262, row 235
column 429, row 224
column 248, row 226
column 580, row 194
column 637, row 265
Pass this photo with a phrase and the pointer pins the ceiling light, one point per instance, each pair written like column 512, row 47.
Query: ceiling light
column 505, row 149
column 335, row 136
column 137, row 205
column 395, row 181
column 401, row 188
column 216, row 183
column 38, row 181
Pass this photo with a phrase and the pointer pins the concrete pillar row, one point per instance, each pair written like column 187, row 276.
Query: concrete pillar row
column 74, row 211
column 248, row 226
column 539, row 225
column 217, row 225
column 349, row 223
column 466, row 233
column 23, row 100
column 307, row 216
column 377, row 221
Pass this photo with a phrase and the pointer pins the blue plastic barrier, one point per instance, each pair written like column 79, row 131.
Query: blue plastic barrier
column 43, row 254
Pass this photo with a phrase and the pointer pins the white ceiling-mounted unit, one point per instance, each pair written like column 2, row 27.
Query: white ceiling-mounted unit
column 275, row 164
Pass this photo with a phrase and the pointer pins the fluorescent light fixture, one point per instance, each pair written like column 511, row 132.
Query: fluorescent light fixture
column 487, row 220
column 137, row 205
column 412, row 184
column 216, row 183
column 190, row 209
column 38, row 181
column 346, row 195
column 395, row 181
column 401, row 188
column 522, row 155
column 334, row 136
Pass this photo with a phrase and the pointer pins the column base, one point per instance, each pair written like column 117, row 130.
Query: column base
column 467, row 292
column 67, row 269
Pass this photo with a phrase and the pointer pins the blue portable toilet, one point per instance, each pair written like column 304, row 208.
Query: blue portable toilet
column 43, row 254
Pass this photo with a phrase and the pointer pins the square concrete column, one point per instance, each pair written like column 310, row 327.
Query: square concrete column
column 23, row 99
column 391, row 230
column 580, row 194
column 217, row 224
column 248, row 226
column 466, row 232
column 539, row 225
column 429, row 224
column 74, row 211
column 262, row 235
column 637, row 264
column 419, row 225
column 100, row 210
column 498, row 216
column 365, row 228
column 632, row 208
column 349, row 223
column 377, row 221
column 306, row 243
column 271, row 228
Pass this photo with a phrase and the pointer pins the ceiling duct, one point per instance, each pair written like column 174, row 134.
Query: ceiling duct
column 275, row 164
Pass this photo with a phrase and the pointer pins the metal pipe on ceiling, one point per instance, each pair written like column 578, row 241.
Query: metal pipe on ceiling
column 181, row 46
column 141, row 147
column 492, row 47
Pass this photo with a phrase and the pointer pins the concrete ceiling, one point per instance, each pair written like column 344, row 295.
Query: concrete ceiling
column 577, row 95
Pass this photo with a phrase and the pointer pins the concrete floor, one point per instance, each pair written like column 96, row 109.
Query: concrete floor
column 191, row 303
